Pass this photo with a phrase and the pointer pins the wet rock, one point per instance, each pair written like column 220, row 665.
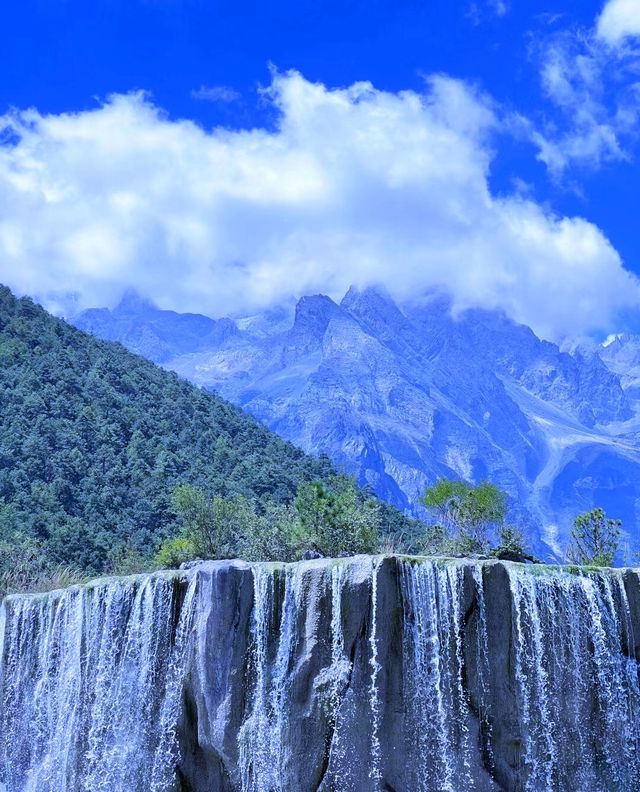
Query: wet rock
column 311, row 554
column 191, row 564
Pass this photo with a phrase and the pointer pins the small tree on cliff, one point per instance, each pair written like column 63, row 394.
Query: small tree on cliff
column 595, row 538
column 512, row 545
column 465, row 513
column 338, row 518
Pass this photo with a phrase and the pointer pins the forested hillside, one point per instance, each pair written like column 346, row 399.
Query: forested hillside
column 93, row 441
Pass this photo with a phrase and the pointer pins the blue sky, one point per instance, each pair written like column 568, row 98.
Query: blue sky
column 559, row 80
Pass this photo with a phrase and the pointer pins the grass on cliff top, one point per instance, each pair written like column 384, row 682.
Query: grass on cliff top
column 50, row 583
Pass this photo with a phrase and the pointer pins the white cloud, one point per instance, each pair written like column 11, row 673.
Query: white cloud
column 215, row 93
column 587, row 131
column 619, row 20
column 477, row 12
column 595, row 90
column 500, row 7
column 355, row 185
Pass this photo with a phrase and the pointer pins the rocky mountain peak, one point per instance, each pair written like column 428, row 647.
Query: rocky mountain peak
column 623, row 347
column 367, row 299
column 132, row 302
column 314, row 313
column 377, row 312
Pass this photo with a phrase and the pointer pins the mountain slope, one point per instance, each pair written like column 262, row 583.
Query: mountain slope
column 93, row 439
column 404, row 394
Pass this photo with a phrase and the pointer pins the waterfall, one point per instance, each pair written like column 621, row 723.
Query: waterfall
column 262, row 752
column 90, row 682
column 340, row 666
column 339, row 671
column 483, row 669
column 340, row 773
column 283, row 604
column 438, row 706
column 374, row 695
column 577, row 690
column 353, row 675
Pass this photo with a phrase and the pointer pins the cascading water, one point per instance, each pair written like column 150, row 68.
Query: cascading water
column 340, row 666
column 374, row 693
column 483, row 670
column 438, row 728
column 342, row 708
column 91, row 679
column 262, row 752
column 285, row 615
column 577, row 690
column 420, row 675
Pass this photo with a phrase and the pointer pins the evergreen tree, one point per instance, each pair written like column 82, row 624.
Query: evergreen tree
column 93, row 441
column 595, row 538
column 466, row 514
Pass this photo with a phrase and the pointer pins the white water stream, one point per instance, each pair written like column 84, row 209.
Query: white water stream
column 91, row 680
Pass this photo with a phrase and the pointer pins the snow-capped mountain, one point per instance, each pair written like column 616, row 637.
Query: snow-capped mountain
column 402, row 394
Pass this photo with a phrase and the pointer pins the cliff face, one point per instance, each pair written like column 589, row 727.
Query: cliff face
column 369, row 673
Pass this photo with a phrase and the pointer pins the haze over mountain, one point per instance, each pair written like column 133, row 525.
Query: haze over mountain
column 402, row 394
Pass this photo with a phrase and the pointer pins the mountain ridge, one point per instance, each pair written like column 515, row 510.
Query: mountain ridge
column 404, row 393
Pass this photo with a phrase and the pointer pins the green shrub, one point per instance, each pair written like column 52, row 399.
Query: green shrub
column 337, row 518
column 25, row 567
column 333, row 519
column 277, row 535
column 174, row 552
column 216, row 527
column 511, row 540
column 126, row 559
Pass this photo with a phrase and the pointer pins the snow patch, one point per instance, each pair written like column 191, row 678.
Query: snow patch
column 611, row 338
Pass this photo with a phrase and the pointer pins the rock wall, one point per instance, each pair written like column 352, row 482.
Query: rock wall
column 367, row 673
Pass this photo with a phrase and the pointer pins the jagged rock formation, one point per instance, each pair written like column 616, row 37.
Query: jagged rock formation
column 622, row 355
column 403, row 394
column 370, row 673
